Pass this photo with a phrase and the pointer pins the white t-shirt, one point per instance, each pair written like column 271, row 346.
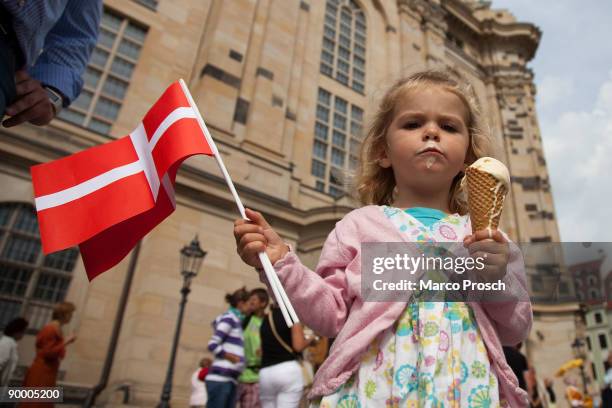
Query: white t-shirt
column 8, row 359
column 198, row 390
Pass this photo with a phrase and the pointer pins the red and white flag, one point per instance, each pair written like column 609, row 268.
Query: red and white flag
column 106, row 198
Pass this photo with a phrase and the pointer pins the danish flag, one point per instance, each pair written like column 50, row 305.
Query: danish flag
column 106, row 198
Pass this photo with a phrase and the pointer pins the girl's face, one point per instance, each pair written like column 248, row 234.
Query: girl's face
column 428, row 139
column 256, row 304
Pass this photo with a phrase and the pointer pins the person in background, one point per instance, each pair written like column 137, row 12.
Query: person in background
column 50, row 351
column 550, row 392
column 13, row 332
column 606, row 391
column 198, row 388
column 281, row 381
column 44, row 49
column 573, row 395
column 536, row 397
column 227, row 346
column 518, row 363
column 317, row 352
column 248, row 382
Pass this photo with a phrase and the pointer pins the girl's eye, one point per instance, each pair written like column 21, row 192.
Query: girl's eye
column 449, row 128
column 412, row 125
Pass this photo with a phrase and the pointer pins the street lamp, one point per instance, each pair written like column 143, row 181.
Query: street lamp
column 191, row 260
column 580, row 352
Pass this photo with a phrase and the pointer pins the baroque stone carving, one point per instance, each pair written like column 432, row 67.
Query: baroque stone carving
column 429, row 11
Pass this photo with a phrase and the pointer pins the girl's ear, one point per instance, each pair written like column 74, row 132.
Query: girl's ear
column 384, row 161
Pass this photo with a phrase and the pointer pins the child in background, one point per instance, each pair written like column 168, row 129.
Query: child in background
column 198, row 388
column 426, row 131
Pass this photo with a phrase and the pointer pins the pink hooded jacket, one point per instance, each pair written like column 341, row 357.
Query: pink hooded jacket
column 330, row 302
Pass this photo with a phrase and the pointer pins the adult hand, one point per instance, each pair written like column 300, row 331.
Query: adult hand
column 256, row 236
column 493, row 248
column 31, row 104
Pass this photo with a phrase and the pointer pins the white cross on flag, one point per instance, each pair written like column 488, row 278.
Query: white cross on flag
column 106, row 198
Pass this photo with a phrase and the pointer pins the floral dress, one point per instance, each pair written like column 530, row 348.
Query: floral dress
column 433, row 356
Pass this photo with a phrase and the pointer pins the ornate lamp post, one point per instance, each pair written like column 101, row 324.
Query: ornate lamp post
column 580, row 352
column 191, row 260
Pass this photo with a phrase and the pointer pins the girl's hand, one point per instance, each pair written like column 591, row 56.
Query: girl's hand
column 256, row 236
column 494, row 250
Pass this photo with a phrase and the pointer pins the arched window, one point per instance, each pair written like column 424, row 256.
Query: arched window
column 30, row 283
column 344, row 44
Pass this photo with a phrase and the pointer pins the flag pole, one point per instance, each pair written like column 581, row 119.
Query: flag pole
column 279, row 292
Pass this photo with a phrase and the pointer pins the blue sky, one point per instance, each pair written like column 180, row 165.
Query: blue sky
column 573, row 75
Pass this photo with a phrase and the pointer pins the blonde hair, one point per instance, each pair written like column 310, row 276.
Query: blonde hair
column 62, row 310
column 375, row 184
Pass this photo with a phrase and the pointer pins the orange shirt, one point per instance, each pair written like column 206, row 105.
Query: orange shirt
column 50, row 350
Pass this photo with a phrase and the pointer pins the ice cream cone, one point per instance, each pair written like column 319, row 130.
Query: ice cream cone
column 485, row 195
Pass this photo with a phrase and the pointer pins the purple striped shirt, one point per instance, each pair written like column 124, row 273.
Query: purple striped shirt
column 226, row 338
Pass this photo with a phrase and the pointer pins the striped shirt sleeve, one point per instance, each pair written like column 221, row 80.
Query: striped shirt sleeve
column 222, row 330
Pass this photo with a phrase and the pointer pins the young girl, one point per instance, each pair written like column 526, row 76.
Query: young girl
column 421, row 354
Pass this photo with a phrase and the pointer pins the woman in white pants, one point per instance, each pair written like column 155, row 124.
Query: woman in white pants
column 280, row 378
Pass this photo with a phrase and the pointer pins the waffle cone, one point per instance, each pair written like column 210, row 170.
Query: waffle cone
column 485, row 200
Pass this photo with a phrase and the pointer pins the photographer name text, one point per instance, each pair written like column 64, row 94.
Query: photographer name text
column 403, row 285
